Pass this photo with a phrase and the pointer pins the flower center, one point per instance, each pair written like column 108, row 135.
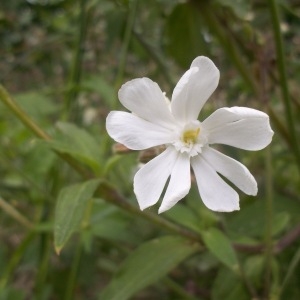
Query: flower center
column 190, row 136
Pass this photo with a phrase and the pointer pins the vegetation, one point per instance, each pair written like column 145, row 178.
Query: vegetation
column 70, row 226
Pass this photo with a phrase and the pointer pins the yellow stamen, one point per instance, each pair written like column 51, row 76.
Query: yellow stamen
column 190, row 136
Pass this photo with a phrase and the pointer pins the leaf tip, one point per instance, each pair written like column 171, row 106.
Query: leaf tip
column 57, row 249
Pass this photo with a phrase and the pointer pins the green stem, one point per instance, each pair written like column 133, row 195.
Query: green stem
column 269, row 222
column 182, row 294
column 30, row 124
column 22, row 116
column 291, row 269
column 73, row 273
column 111, row 195
column 16, row 257
column 227, row 43
column 126, row 41
column 281, row 65
column 75, row 75
column 106, row 191
column 43, row 266
column 15, row 214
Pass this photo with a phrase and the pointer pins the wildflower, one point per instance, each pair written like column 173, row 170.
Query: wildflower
column 188, row 141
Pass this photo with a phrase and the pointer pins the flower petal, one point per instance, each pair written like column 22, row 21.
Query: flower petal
column 136, row 133
column 241, row 127
column 233, row 170
column 150, row 180
column 143, row 97
column 180, row 183
column 194, row 88
column 216, row 194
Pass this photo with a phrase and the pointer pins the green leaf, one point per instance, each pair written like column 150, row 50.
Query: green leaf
column 79, row 144
column 69, row 211
column 254, row 267
column 220, row 246
column 184, row 38
column 228, row 286
column 36, row 104
column 146, row 265
column 243, row 223
column 110, row 222
column 185, row 216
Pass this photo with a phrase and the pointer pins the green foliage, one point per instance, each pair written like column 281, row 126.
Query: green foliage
column 221, row 247
column 184, row 37
column 79, row 144
column 146, row 265
column 241, row 8
column 71, row 205
column 63, row 63
column 228, row 286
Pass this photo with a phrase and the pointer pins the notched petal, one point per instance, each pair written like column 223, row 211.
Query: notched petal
column 180, row 183
column 150, row 180
column 144, row 97
column 240, row 127
column 194, row 88
column 215, row 193
column 233, row 170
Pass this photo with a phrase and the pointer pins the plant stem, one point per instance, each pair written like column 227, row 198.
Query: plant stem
column 281, row 65
column 182, row 293
column 16, row 257
column 73, row 273
column 15, row 214
column 106, row 191
column 269, row 222
column 111, row 195
column 30, row 124
column 126, row 41
column 22, row 116
column 76, row 68
column 227, row 42
column 43, row 265
column 291, row 269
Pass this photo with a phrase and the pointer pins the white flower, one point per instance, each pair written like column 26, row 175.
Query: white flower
column 188, row 141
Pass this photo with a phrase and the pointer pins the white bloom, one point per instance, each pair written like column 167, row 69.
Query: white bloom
column 188, row 140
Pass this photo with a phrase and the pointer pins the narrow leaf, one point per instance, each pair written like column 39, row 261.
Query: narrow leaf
column 146, row 265
column 220, row 246
column 70, row 207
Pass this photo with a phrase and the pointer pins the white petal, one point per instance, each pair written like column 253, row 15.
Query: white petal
column 216, row 194
column 241, row 127
column 180, row 183
column 150, row 180
column 143, row 97
column 136, row 133
column 194, row 88
column 233, row 170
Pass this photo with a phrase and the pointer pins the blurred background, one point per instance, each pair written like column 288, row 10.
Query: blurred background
column 62, row 63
